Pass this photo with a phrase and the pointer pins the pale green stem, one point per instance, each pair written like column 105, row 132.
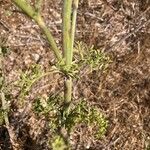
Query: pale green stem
column 26, row 7
column 68, row 90
column 74, row 18
column 5, row 108
column 4, row 103
column 67, row 50
column 31, row 12
column 49, row 36
column 67, row 7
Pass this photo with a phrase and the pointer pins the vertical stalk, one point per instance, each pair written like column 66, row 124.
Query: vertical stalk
column 67, row 9
column 74, row 18
column 67, row 48
column 68, row 90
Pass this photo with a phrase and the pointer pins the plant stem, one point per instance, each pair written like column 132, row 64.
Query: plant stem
column 49, row 36
column 74, row 18
column 40, row 77
column 67, row 49
column 26, row 7
column 68, row 90
column 67, row 7
column 4, row 103
column 35, row 15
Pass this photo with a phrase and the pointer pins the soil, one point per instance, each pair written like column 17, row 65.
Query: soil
column 121, row 29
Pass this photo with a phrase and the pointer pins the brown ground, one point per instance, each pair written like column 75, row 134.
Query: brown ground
column 119, row 28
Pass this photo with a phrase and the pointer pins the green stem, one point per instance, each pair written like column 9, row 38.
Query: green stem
column 5, row 108
column 35, row 15
column 26, row 7
column 67, row 9
column 38, row 78
column 74, row 18
column 49, row 36
column 68, row 90
column 4, row 102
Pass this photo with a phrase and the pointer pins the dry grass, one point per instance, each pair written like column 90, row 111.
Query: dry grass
column 122, row 93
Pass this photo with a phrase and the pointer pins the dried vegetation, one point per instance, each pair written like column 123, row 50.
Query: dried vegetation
column 122, row 92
